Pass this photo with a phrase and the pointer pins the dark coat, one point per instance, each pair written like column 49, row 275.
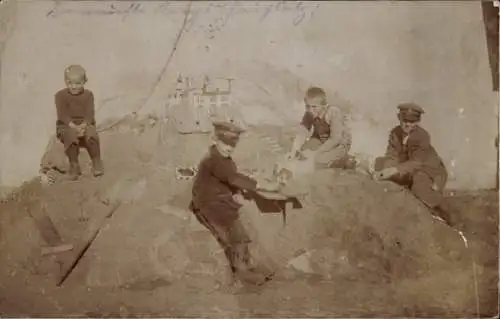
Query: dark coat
column 417, row 155
column 215, row 184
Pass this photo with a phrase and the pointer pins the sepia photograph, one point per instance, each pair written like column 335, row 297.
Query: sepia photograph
column 249, row 159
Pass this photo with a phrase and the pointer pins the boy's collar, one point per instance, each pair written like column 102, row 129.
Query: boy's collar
column 215, row 149
column 69, row 92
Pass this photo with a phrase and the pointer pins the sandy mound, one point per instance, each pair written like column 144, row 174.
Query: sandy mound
column 353, row 227
column 349, row 228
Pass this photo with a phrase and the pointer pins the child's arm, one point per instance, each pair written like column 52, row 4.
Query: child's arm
column 304, row 132
column 392, row 165
column 62, row 113
column 337, row 124
column 228, row 173
column 391, row 152
column 90, row 110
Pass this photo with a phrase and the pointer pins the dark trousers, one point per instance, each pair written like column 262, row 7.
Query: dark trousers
column 336, row 157
column 91, row 145
column 421, row 185
column 233, row 239
column 72, row 144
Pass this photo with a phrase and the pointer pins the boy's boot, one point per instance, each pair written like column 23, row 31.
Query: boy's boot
column 244, row 271
column 94, row 150
column 251, row 266
column 74, row 166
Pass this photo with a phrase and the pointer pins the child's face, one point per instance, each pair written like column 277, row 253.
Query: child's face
column 224, row 149
column 406, row 125
column 316, row 104
column 75, row 84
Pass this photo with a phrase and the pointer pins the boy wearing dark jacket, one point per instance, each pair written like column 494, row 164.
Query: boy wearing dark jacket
column 216, row 200
column 410, row 160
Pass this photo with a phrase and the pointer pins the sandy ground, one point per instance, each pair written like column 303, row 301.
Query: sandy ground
column 368, row 252
column 151, row 258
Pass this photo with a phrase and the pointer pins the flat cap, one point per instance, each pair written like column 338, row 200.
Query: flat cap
column 410, row 107
column 223, row 126
column 410, row 112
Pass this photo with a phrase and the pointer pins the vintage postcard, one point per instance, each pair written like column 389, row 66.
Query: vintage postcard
column 253, row 159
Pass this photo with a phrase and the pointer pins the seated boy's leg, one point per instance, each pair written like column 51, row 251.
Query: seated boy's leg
column 69, row 138
column 92, row 144
column 241, row 258
column 72, row 152
column 220, row 236
column 219, row 233
column 344, row 161
column 311, row 144
column 405, row 180
column 422, row 188
column 333, row 158
column 440, row 178
column 238, row 243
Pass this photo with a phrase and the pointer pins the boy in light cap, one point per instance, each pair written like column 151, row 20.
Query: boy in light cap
column 75, row 124
column 324, row 133
column 216, row 200
column 410, row 160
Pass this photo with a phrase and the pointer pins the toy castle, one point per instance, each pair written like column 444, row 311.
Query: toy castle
column 202, row 96
column 193, row 106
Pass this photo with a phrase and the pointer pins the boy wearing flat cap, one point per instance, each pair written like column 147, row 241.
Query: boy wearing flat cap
column 75, row 124
column 216, row 194
column 410, row 160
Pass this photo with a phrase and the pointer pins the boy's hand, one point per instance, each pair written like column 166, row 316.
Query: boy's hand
column 386, row 173
column 81, row 129
column 77, row 126
column 239, row 198
column 377, row 175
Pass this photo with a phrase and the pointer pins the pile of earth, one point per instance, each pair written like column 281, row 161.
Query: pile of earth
column 350, row 228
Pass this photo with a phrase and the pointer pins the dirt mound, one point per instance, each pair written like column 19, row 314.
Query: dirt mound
column 353, row 227
column 349, row 228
